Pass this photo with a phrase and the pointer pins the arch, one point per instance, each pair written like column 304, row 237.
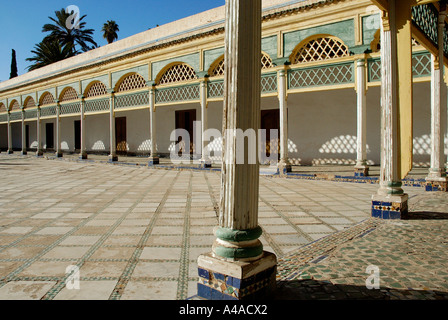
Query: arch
column 318, row 48
column 217, row 67
column 46, row 99
column 176, row 72
column 130, row 81
column 14, row 105
column 68, row 94
column 95, row 89
column 29, row 102
column 2, row 108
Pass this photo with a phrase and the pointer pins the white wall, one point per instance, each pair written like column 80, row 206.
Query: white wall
column 97, row 133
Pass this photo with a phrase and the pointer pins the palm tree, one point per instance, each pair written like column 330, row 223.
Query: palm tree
column 48, row 52
column 66, row 34
column 110, row 30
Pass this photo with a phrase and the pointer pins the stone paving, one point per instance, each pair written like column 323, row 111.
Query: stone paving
column 135, row 232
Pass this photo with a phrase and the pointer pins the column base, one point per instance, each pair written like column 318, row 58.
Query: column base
column 436, row 184
column 390, row 207
column 58, row 155
column 153, row 161
column 24, row 153
column 113, row 158
column 205, row 164
column 39, row 153
column 284, row 167
column 236, row 280
column 83, row 156
column 361, row 171
column 9, row 152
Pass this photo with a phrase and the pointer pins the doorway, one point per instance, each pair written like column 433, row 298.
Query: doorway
column 270, row 120
column 49, row 134
column 185, row 120
column 27, row 136
column 120, row 136
column 77, row 124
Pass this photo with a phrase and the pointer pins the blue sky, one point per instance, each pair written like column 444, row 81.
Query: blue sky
column 21, row 21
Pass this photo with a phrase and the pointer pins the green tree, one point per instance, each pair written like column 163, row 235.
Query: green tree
column 110, row 29
column 48, row 52
column 68, row 34
column 13, row 73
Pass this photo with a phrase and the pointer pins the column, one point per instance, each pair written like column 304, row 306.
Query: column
column 10, row 151
column 24, row 146
column 237, row 260
column 390, row 202
column 113, row 145
column 58, row 130
column 437, row 179
column 205, row 161
column 361, row 168
column 39, row 152
column 284, row 165
column 154, row 158
column 83, row 152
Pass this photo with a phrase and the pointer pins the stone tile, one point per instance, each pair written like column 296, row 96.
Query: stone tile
column 156, row 269
column 80, row 240
column 102, row 269
column 152, row 253
column 54, row 230
column 25, row 290
column 150, row 290
column 63, row 252
column 89, row 290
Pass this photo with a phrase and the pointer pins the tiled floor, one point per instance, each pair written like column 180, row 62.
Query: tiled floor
column 135, row 233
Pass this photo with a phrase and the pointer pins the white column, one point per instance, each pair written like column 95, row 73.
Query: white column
column 237, row 252
column 83, row 152
column 154, row 158
column 24, row 146
column 390, row 194
column 39, row 151
column 58, row 130
column 437, row 179
column 284, row 165
column 10, row 151
column 113, row 145
column 205, row 161
column 361, row 168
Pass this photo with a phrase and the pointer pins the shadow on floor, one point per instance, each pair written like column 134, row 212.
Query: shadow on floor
column 325, row 290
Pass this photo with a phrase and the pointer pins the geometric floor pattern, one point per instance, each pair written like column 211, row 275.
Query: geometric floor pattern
column 136, row 233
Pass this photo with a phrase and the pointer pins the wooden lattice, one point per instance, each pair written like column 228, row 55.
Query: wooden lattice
column 47, row 99
column 30, row 103
column 97, row 89
column 178, row 73
column 2, row 108
column 218, row 69
column 319, row 49
column 69, row 94
column 132, row 82
column 15, row 105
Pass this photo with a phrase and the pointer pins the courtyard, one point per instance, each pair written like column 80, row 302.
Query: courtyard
column 136, row 232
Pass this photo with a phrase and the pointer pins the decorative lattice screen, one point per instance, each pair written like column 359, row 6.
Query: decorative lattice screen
column 132, row 82
column 71, row 108
column 178, row 73
column 132, row 100
column 48, row 112
column 15, row 116
column 3, row 117
column 186, row 93
column 31, row 114
column 70, row 94
column 15, row 105
column 216, row 89
column 2, row 107
column 321, row 76
column 30, row 103
column 97, row 89
column 47, row 99
column 97, row 105
column 320, row 49
column 269, row 83
column 218, row 69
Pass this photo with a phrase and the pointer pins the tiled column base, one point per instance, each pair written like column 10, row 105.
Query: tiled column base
column 59, row 155
column 236, row 280
column 389, row 207
column 83, row 156
column 361, row 171
column 205, row 164
column 24, row 153
column 9, row 152
column 113, row 158
column 437, row 185
column 153, row 161
column 284, row 168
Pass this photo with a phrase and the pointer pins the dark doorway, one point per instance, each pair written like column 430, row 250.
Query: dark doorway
column 77, row 135
column 120, row 135
column 27, row 136
column 49, row 134
column 185, row 120
column 270, row 120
